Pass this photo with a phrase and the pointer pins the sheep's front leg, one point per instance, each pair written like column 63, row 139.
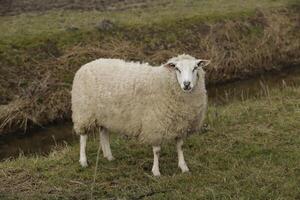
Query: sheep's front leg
column 181, row 162
column 104, row 140
column 155, row 168
column 83, row 159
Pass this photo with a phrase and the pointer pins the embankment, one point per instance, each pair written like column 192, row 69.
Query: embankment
column 35, row 80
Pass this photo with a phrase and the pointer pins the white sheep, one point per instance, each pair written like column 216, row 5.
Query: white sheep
column 139, row 100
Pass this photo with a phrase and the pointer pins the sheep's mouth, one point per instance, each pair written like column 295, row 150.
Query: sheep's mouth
column 187, row 89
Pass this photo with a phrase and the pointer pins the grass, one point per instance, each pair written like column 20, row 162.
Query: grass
column 250, row 151
column 40, row 52
column 21, row 29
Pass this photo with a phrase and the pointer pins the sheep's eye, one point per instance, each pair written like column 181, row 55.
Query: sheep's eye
column 171, row 65
column 177, row 69
column 195, row 68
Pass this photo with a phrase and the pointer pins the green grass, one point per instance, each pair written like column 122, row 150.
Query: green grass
column 21, row 30
column 251, row 151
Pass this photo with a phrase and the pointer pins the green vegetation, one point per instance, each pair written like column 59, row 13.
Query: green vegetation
column 40, row 52
column 23, row 29
column 250, row 151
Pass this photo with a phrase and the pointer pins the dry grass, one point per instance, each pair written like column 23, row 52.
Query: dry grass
column 43, row 102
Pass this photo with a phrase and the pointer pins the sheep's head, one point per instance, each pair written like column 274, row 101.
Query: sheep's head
column 186, row 68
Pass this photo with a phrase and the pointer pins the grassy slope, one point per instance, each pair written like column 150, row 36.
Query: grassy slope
column 251, row 151
column 21, row 30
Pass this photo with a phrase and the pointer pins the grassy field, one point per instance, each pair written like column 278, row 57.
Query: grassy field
column 250, row 151
column 37, row 24
column 251, row 147
column 41, row 51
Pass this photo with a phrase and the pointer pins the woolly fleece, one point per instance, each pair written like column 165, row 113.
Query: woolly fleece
column 137, row 100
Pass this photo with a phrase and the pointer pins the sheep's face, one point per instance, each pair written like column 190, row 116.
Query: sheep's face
column 187, row 71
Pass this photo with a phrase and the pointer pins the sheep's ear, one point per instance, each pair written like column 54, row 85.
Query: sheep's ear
column 170, row 65
column 203, row 63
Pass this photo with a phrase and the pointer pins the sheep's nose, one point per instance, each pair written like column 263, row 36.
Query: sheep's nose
column 186, row 84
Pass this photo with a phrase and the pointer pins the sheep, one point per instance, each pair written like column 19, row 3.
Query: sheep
column 141, row 101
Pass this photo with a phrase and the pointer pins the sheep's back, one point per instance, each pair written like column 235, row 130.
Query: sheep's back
column 117, row 93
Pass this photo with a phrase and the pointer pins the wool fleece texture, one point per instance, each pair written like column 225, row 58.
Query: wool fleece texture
column 137, row 100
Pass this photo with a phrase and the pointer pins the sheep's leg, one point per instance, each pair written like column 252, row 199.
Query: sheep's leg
column 181, row 162
column 104, row 140
column 155, row 168
column 83, row 159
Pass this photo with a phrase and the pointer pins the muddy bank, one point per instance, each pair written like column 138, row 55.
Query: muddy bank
column 35, row 86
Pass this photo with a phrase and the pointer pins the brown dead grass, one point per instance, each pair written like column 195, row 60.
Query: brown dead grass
column 43, row 102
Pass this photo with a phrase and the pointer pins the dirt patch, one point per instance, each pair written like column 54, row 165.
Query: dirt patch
column 13, row 7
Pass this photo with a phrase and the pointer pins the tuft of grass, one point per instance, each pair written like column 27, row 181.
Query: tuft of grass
column 251, row 151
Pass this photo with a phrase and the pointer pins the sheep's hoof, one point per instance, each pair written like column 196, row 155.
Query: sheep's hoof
column 110, row 158
column 83, row 163
column 184, row 169
column 156, row 173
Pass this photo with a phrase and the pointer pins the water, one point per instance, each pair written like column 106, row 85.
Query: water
column 253, row 87
column 41, row 141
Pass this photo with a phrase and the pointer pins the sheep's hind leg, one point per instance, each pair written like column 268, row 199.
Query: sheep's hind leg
column 155, row 168
column 83, row 159
column 181, row 162
column 104, row 140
